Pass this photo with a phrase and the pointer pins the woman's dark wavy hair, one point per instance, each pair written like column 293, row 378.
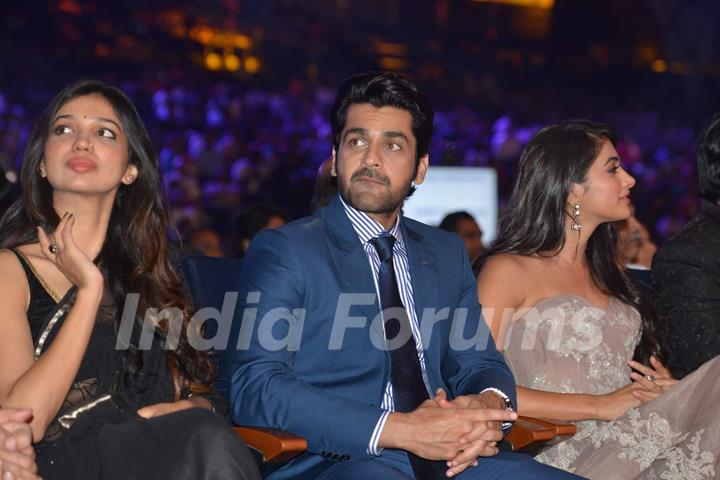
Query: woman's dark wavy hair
column 557, row 157
column 134, row 256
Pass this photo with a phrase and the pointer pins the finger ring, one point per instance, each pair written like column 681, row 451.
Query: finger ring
column 53, row 248
column 650, row 377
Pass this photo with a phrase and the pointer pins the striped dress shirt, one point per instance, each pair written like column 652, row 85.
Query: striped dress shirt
column 367, row 229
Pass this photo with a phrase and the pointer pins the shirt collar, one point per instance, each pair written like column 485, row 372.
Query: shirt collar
column 367, row 228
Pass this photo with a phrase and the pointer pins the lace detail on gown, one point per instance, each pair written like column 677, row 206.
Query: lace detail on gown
column 565, row 344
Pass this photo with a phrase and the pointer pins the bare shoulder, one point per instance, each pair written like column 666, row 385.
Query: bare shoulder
column 9, row 265
column 13, row 282
column 506, row 265
column 503, row 280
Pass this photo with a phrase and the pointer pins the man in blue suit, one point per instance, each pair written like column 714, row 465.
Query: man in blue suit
column 361, row 329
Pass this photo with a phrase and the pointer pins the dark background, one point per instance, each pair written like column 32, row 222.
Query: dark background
column 236, row 93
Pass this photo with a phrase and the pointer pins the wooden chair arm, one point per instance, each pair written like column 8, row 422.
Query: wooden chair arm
column 528, row 435
column 276, row 446
column 533, row 435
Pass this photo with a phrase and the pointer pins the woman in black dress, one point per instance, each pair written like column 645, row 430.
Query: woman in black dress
column 84, row 271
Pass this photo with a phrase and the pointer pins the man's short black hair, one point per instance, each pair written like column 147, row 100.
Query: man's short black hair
column 381, row 89
column 708, row 161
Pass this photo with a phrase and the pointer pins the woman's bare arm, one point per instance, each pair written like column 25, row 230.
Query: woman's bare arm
column 43, row 384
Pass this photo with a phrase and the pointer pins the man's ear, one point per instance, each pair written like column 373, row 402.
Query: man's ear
column 333, row 167
column 422, row 169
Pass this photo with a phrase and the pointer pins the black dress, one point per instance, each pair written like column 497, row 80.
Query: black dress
column 98, row 434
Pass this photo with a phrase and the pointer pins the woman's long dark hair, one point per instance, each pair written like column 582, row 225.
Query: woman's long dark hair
column 134, row 256
column 557, row 157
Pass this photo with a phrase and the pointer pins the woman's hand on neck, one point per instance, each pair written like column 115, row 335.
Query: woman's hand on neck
column 92, row 217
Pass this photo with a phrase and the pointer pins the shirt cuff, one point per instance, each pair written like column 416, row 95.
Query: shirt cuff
column 375, row 437
column 508, row 403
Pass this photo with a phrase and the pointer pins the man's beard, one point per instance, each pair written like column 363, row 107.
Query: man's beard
column 381, row 203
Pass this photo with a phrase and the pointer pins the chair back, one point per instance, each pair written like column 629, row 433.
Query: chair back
column 209, row 279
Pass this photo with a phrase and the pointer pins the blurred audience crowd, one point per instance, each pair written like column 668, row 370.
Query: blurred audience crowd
column 228, row 148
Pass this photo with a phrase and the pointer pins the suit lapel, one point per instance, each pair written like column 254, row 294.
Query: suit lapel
column 354, row 271
column 423, row 271
column 349, row 258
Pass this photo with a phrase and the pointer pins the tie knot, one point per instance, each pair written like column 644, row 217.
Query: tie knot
column 383, row 246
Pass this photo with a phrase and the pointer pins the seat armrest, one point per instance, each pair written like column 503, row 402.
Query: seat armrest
column 275, row 446
column 533, row 435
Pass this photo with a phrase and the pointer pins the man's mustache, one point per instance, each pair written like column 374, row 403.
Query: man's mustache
column 366, row 172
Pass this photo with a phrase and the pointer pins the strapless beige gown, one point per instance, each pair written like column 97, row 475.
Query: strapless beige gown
column 565, row 344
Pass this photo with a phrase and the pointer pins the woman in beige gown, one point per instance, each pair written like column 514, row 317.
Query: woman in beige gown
column 571, row 322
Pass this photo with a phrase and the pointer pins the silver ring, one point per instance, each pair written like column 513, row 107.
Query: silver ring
column 650, row 377
column 53, row 248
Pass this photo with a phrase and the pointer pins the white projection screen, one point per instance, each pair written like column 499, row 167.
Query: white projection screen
column 449, row 189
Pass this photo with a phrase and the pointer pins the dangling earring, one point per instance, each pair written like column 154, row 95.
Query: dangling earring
column 43, row 174
column 575, row 226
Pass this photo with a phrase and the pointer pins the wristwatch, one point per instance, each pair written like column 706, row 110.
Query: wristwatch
column 508, row 403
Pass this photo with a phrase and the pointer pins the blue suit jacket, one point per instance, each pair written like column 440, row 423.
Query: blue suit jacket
column 329, row 396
